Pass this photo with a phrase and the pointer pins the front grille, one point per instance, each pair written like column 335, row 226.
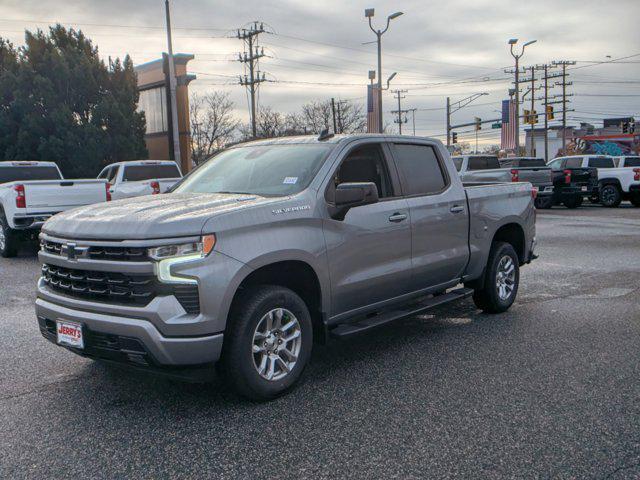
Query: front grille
column 124, row 254
column 117, row 288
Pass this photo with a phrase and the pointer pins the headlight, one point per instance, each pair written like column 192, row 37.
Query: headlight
column 168, row 255
column 192, row 249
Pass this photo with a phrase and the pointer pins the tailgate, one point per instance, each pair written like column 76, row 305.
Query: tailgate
column 536, row 176
column 63, row 194
column 584, row 176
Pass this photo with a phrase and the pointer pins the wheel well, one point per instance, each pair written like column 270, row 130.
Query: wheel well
column 609, row 181
column 294, row 275
column 512, row 233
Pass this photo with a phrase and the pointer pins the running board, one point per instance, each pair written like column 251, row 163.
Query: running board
column 366, row 324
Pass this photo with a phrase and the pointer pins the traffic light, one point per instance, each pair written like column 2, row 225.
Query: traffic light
column 478, row 123
column 632, row 127
column 454, row 137
column 534, row 117
column 526, row 117
column 549, row 111
column 625, row 127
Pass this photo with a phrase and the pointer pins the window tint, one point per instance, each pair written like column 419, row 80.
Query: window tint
column 574, row 162
column 477, row 163
column 457, row 161
column 135, row 173
column 601, row 162
column 420, row 168
column 14, row 173
column 366, row 164
column 530, row 162
column 632, row 162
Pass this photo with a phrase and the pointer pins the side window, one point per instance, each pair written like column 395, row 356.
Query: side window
column 419, row 168
column 556, row 164
column 365, row 164
column 113, row 175
column 477, row 163
column 104, row 173
column 574, row 162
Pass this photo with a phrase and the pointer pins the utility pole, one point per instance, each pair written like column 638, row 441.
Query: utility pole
column 448, row 122
column 172, row 92
column 533, row 118
column 333, row 112
column 548, row 109
column 413, row 119
column 511, row 43
column 399, row 97
column 564, row 84
column 251, row 55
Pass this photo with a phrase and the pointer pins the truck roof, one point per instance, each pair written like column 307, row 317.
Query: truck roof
column 26, row 163
column 333, row 139
column 143, row 162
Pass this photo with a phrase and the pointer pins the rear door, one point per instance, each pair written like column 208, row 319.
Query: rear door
column 439, row 216
column 369, row 250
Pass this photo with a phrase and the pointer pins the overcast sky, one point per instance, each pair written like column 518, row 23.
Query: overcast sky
column 461, row 46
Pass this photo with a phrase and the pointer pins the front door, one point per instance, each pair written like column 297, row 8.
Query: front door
column 369, row 251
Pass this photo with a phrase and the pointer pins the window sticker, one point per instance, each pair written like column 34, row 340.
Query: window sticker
column 290, row 180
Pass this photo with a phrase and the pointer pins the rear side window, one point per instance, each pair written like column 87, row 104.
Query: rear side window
column 457, row 161
column 136, row 173
column 477, row 163
column 600, row 162
column 574, row 162
column 632, row 162
column 419, row 168
column 24, row 172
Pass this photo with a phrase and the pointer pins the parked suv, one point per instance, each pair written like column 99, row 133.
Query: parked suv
column 275, row 244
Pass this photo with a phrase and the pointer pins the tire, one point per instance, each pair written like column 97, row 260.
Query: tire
column 495, row 296
column 249, row 322
column 8, row 244
column 544, row 203
column 572, row 202
column 610, row 196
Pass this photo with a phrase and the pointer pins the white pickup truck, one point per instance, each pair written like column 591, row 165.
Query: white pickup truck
column 31, row 192
column 618, row 180
column 140, row 177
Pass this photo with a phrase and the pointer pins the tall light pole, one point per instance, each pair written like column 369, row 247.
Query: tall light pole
column 368, row 13
column 517, row 57
column 172, row 93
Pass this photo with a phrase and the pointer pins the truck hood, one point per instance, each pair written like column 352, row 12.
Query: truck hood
column 147, row 217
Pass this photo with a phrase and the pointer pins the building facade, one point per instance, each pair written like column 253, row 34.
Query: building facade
column 153, row 85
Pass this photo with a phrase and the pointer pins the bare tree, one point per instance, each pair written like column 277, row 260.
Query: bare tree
column 318, row 116
column 212, row 123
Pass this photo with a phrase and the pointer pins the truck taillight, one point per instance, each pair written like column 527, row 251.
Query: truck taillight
column 636, row 174
column 21, row 199
column 156, row 187
column 534, row 192
column 514, row 176
column 567, row 176
column 108, row 188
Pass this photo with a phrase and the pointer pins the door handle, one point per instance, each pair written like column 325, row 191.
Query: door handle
column 398, row 217
column 457, row 209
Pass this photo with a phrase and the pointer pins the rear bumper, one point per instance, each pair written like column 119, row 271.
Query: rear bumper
column 31, row 221
column 129, row 340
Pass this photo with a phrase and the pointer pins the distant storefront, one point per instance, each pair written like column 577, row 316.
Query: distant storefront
column 153, row 85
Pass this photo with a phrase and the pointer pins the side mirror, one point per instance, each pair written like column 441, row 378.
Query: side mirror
column 352, row 194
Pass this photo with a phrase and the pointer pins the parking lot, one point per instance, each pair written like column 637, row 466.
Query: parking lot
column 549, row 389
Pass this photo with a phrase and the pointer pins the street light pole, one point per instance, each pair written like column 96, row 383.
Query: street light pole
column 172, row 94
column 512, row 42
column 368, row 13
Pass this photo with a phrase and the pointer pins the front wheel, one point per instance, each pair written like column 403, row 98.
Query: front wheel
column 8, row 247
column 610, row 196
column 501, row 281
column 267, row 343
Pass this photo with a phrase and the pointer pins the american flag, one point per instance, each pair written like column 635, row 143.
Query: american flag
column 508, row 136
column 373, row 124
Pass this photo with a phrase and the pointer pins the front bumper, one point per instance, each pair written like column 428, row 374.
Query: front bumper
column 129, row 340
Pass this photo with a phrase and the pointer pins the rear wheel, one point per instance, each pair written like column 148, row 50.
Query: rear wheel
column 8, row 243
column 572, row 202
column 268, row 342
column 610, row 196
column 544, row 203
column 501, row 281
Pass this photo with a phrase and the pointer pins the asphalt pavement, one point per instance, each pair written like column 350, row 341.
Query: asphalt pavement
column 549, row 389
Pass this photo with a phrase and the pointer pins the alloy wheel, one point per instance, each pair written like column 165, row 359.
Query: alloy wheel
column 276, row 344
column 505, row 277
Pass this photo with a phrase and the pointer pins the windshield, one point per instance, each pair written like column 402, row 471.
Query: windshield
column 15, row 173
column 269, row 170
column 457, row 161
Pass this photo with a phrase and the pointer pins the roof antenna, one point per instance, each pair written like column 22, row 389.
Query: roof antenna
column 324, row 134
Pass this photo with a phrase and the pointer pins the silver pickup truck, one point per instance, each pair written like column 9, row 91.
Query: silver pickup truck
column 274, row 245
